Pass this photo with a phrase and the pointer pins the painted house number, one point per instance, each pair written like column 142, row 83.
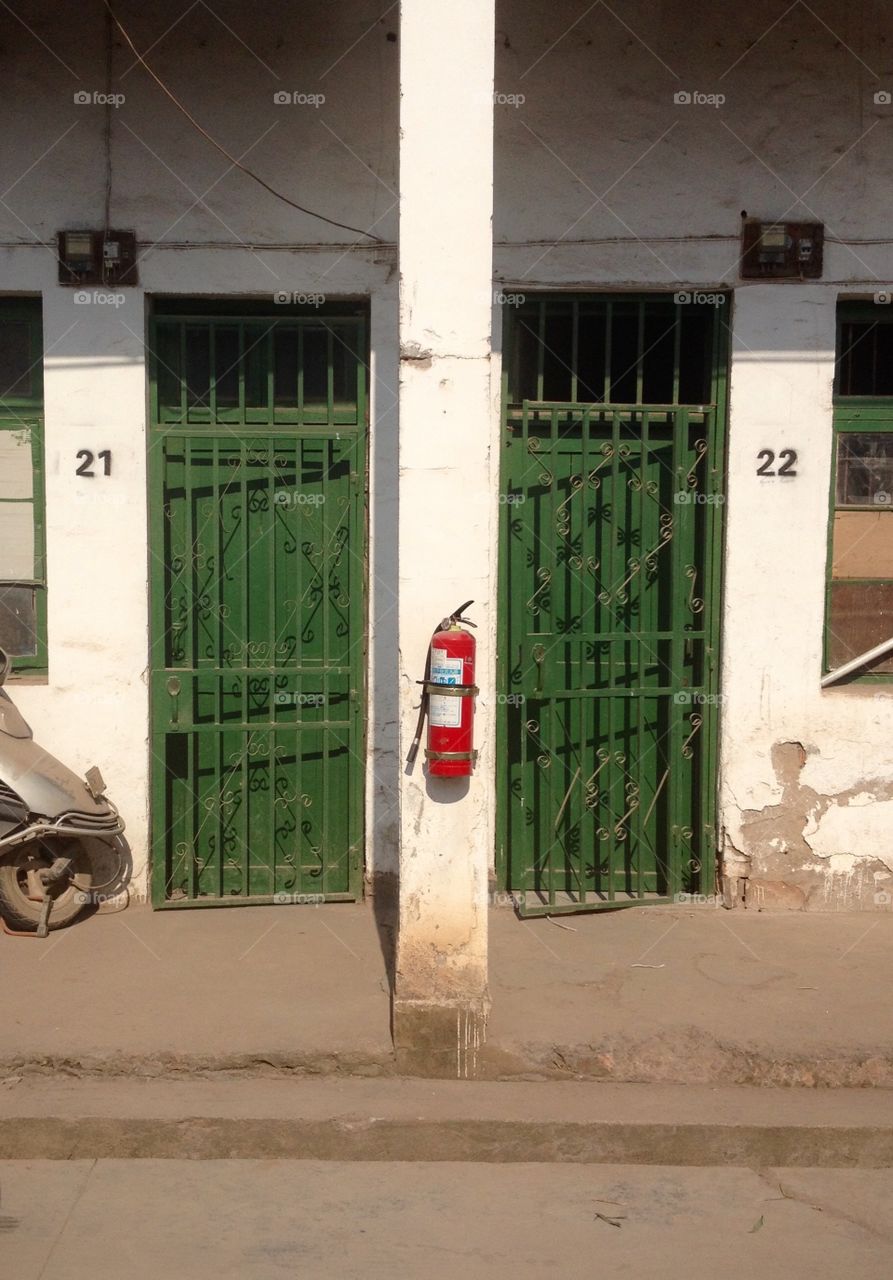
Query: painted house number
column 787, row 457
column 88, row 456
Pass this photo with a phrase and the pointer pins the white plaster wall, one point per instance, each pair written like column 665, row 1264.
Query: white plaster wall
column 199, row 221
column 602, row 179
column 773, row 617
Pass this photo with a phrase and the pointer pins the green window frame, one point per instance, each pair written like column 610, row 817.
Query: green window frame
column 23, row 587
column 859, row 578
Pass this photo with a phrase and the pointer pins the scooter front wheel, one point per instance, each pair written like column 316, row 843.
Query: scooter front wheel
column 23, row 891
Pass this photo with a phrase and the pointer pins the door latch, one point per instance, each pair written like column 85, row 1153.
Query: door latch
column 539, row 654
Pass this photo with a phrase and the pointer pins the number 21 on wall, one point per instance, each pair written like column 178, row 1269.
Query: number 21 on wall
column 86, row 458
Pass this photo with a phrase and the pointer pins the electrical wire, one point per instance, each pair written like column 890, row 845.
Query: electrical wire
column 109, row 68
column 223, row 151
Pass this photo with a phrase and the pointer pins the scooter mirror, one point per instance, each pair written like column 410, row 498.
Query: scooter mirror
column 5, row 664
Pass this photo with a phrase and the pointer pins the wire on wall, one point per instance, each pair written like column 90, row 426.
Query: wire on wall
column 109, row 68
column 223, row 151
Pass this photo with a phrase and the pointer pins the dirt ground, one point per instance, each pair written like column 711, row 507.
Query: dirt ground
column 678, row 993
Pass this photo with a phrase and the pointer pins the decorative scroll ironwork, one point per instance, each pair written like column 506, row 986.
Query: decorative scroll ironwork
column 260, row 612
column 607, row 572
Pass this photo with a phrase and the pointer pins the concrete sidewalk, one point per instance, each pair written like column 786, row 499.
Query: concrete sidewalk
column 695, row 994
column 687, row 994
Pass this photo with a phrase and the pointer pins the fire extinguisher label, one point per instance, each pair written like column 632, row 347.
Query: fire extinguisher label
column 445, row 713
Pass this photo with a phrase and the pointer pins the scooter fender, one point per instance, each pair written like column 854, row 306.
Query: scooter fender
column 11, row 720
column 45, row 785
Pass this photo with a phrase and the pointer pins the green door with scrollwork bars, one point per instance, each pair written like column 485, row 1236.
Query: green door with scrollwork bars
column 257, row 513
column 612, row 503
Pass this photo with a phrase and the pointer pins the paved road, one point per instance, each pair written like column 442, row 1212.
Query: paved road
column 262, row 1220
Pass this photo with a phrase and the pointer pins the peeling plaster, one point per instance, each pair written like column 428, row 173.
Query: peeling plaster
column 863, row 825
column 414, row 353
column 803, row 846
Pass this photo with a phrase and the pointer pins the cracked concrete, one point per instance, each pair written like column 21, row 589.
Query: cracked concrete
column 414, row 353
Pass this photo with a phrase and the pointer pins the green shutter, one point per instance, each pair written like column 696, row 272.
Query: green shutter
column 23, row 608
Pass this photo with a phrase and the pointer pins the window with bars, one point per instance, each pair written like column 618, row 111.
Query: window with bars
column 618, row 351
column 22, row 545
column 859, row 601
column 257, row 370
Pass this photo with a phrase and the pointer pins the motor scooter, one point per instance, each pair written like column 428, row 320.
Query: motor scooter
column 48, row 818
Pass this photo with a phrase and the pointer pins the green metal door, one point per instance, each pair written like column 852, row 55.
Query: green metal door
column 612, row 499
column 257, row 571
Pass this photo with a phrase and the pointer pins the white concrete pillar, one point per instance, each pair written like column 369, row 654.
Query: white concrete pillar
column 447, row 498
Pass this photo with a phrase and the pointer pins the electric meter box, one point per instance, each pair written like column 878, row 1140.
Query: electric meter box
column 97, row 257
column 781, row 250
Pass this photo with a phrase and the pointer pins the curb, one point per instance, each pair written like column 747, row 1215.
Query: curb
column 411, row 1120
column 495, row 1142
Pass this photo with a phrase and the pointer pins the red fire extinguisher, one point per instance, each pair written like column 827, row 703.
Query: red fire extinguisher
column 448, row 693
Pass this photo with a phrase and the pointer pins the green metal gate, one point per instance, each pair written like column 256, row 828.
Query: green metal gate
column 257, row 570
column 612, row 499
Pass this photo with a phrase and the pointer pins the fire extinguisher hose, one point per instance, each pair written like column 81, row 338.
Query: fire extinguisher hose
column 443, row 625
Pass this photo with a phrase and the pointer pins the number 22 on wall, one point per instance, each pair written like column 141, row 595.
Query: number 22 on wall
column 787, row 457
